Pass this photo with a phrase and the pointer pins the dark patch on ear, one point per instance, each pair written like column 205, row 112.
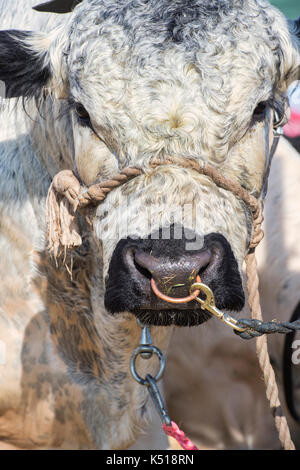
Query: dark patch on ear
column 23, row 71
column 57, row 6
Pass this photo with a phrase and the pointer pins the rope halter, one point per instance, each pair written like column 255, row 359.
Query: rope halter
column 66, row 196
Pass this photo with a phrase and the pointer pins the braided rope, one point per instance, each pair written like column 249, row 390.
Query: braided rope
column 98, row 192
column 255, row 328
column 174, row 431
column 263, row 356
column 66, row 195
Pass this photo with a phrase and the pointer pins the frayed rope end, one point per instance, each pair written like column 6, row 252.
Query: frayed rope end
column 61, row 205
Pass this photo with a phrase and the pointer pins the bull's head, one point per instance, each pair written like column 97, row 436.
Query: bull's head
column 203, row 79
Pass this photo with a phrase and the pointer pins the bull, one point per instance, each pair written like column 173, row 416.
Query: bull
column 108, row 86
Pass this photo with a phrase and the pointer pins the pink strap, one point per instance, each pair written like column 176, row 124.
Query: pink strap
column 179, row 435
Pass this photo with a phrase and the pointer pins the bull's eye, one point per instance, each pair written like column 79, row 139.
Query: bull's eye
column 260, row 111
column 82, row 113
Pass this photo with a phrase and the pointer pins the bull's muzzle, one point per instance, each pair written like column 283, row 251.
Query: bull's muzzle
column 174, row 269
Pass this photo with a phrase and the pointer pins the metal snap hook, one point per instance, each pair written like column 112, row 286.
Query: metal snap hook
column 146, row 350
column 209, row 304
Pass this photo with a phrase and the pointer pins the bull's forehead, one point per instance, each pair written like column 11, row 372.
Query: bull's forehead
column 138, row 34
column 188, row 70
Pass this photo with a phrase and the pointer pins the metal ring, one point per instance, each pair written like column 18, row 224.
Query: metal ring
column 175, row 300
column 147, row 349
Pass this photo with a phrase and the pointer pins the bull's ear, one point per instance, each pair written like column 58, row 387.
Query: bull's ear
column 23, row 70
column 58, row 6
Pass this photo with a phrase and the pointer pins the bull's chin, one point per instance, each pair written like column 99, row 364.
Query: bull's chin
column 173, row 317
column 186, row 314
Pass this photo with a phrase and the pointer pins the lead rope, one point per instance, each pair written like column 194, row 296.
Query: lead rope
column 174, row 431
column 264, row 358
column 66, row 195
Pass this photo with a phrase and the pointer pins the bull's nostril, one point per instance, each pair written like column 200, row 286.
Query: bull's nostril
column 204, row 267
column 142, row 270
column 133, row 258
column 146, row 263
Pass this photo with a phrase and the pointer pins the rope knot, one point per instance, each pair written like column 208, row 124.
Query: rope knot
column 61, row 205
column 66, row 195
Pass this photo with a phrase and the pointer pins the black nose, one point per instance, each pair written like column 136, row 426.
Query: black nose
column 174, row 268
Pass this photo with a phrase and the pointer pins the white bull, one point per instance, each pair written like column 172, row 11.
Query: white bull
column 115, row 84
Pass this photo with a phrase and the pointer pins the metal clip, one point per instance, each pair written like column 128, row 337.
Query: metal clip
column 157, row 399
column 278, row 131
column 278, row 124
column 146, row 350
column 210, row 305
column 145, row 340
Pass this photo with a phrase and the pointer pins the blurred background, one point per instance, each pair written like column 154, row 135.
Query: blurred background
column 291, row 9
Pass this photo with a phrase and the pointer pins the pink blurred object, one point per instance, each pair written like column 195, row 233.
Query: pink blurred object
column 292, row 128
column 174, row 431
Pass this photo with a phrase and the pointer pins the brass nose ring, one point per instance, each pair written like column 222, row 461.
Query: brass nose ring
column 175, row 300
